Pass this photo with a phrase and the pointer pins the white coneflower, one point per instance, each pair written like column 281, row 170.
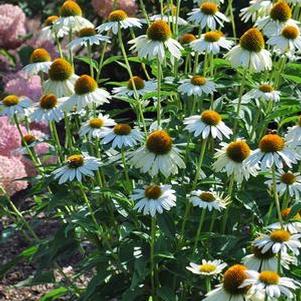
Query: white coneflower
column 87, row 37
column 186, row 39
column 87, row 93
column 270, row 284
column 207, row 15
column 76, row 167
column 279, row 240
column 207, row 267
column 210, row 200
column 61, row 79
column 14, row 105
column 48, row 109
column 154, row 199
column 31, row 140
column 250, row 52
column 264, row 91
column 211, row 42
column 156, row 42
column 40, row 61
column 256, row 8
column 71, row 19
column 158, row 155
column 259, row 261
column 48, row 33
column 123, row 135
column 272, row 151
column 286, row 182
column 209, row 123
column 293, row 135
column 142, row 87
column 97, row 127
column 279, row 17
column 289, row 40
column 231, row 289
column 292, row 225
column 231, row 158
column 119, row 19
column 197, row 85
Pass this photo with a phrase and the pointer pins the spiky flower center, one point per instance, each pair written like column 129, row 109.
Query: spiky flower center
column 159, row 31
column 122, row 129
column 271, row 143
column 40, row 55
column 238, row 151
column 233, row 279
column 280, row 236
column 266, row 88
column 288, row 178
column 50, row 20
column 290, row 32
column 207, row 268
column 60, row 70
column 159, row 142
column 281, row 12
column 252, row 40
column 211, row 117
column 70, row 8
column 138, row 81
column 153, row 192
column 11, row 100
column 263, row 256
column 48, row 101
column 75, row 161
column 28, row 139
column 269, row 277
column 212, row 36
column 187, row 38
column 117, row 15
column 209, row 8
column 85, row 84
column 286, row 212
column 96, row 123
column 197, row 80
column 87, row 32
column 207, row 197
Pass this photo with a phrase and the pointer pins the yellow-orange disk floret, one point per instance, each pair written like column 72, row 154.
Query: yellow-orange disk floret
column 252, row 40
column 153, row 192
column 159, row 142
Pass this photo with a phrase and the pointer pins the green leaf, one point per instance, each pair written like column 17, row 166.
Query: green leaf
column 88, row 61
column 54, row 294
column 293, row 78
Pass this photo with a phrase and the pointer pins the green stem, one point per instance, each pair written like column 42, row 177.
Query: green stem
column 91, row 59
column 226, row 214
column 159, row 92
column 188, row 205
column 276, row 197
column 197, row 237
column 152, row 258
column 56, row 138
column 131, row 77
column 101, row 61
column 208, row 284
column 84, row 195
column 279, row 263
column 126, row 174
column 57, row 40
column 241, row 91
column 212, row 221
column 19, row 214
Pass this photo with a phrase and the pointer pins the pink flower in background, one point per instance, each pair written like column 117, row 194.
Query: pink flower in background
column 40, row 126
column 104, row 7
column 12, row 169
column 22, row 84
column 9, row 137
column 12, row 26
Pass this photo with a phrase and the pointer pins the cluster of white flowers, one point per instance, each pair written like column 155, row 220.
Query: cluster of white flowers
column 196, row 131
